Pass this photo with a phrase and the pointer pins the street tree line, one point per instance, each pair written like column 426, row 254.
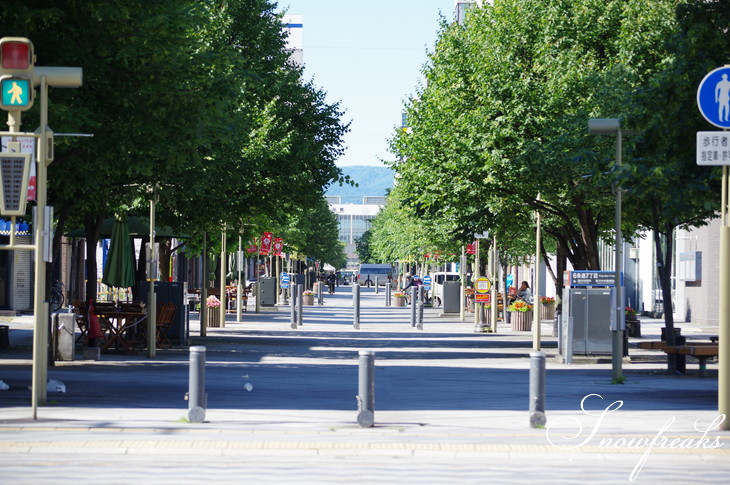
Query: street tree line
column 498, row 130
column 194, row 103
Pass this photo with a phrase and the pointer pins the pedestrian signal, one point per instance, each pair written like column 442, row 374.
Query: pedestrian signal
column 16, row 73
column 17, row 93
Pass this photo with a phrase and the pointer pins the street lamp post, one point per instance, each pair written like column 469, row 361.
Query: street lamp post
column 612, row 126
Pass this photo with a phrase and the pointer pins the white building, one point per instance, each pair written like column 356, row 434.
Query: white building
column 354, row 220
column 294, row 28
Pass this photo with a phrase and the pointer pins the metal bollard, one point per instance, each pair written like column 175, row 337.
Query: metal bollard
column 300, row 305
column 414, row 297
column 387, row 294
column 421, row 298
column 366, row 389
column 356, row 306
column 377, row 286
column 320, row 293
column 537, row 389
column 196, row 392
column 293, row 308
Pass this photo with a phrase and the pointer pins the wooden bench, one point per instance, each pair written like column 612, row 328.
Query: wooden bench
column 701, row 350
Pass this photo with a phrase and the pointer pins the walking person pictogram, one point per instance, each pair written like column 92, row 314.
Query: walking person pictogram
column 722, row 97
column 16, row 92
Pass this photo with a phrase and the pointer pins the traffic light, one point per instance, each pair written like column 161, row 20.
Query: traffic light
column 16, row 73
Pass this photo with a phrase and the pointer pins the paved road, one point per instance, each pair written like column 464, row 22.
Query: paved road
column 451, row 407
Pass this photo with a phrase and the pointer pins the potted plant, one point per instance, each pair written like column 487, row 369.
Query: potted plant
column 399, row 298
column 520, row 316
column 308, row 297
column 214, row 317
column 633, row 326
column 547, row 308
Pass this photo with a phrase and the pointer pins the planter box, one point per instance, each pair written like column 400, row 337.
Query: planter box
column 521, row 321
column 214, row 317
column 547, row 311
column 308, row 300
column 633, row 328
column 399, row 301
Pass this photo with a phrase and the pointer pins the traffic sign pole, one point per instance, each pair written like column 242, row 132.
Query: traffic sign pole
column 713, row 101
column 18, row 77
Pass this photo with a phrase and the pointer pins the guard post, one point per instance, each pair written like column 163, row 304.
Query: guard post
column 356, row 306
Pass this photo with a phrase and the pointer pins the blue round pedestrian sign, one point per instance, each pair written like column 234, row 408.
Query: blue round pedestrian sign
column 713, row 97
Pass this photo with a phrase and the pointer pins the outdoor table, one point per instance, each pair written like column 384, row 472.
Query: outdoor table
column 121, row 326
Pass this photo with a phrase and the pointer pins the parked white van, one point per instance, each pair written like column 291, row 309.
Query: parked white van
column 437, row 285
column 368, row 273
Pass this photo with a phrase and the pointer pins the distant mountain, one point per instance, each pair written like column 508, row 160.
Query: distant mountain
column 372, row 181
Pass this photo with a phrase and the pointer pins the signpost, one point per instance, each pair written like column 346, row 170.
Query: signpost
column 427, row 282
column 713, row 97
column 594, row 278
column 19, row 76
column 713, row 101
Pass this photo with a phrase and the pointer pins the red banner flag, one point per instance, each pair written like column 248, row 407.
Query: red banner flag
column 252, row 248
column 278, row 246
column 471, row 248
column 266, row 241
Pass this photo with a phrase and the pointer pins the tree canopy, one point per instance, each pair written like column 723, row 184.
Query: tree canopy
column 195, row 103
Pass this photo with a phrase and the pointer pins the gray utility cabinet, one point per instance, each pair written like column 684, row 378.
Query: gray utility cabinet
column 169, row 292
column 268, row 291
column 590, row 309
column 450, row 298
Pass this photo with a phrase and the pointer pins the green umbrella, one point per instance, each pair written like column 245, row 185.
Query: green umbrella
column 119, row 270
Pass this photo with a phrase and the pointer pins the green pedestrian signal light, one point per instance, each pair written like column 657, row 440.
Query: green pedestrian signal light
column 17, row 61
column 17, row 93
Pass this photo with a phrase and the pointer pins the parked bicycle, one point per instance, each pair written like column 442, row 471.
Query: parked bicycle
column 57, row 297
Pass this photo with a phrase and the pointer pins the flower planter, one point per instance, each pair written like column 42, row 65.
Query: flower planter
column 521, row 321
column 399, row 300
column 214, row 317
column 633, row 328
column 308, row 300
column 547, row 311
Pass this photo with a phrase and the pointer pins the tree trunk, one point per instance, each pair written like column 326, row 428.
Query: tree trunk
column 92, row 228
column 165, row 254
column 664, row 265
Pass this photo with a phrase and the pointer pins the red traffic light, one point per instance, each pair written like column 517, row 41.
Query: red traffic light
column 16, row 53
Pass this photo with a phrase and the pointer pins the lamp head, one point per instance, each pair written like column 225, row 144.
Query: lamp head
column 604, row 126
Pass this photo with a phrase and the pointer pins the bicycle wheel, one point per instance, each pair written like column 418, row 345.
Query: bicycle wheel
column 57, row 299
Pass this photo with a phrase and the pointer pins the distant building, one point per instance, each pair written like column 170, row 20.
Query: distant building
column 354, row 220
column 462, row 6
column 294, row 27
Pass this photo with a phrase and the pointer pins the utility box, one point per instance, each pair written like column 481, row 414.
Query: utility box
column 268, row 291
column 451, row 294
column 64, row 335
column 590, row 319
column 169, row 292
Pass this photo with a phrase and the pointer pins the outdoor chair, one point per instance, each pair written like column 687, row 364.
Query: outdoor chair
column 165, row 316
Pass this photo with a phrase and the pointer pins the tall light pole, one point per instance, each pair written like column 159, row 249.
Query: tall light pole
column 612, row 126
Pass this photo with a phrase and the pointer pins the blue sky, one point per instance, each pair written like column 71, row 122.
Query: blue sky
column 368, row 56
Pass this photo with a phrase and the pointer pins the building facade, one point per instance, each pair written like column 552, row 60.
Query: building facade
column 353, row 221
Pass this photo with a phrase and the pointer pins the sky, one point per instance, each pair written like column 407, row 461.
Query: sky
column 368, row 56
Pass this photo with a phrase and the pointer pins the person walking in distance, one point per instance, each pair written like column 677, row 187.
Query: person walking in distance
column 331, row 280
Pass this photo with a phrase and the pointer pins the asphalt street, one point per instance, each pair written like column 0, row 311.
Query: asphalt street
column 451, row 406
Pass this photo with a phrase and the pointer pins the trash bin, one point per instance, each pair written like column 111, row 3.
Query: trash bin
column 63, row 326
column 451, row 295
column 4, row 337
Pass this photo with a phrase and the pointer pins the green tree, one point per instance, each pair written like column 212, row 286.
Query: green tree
column 665, row 187
column 194, row 99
